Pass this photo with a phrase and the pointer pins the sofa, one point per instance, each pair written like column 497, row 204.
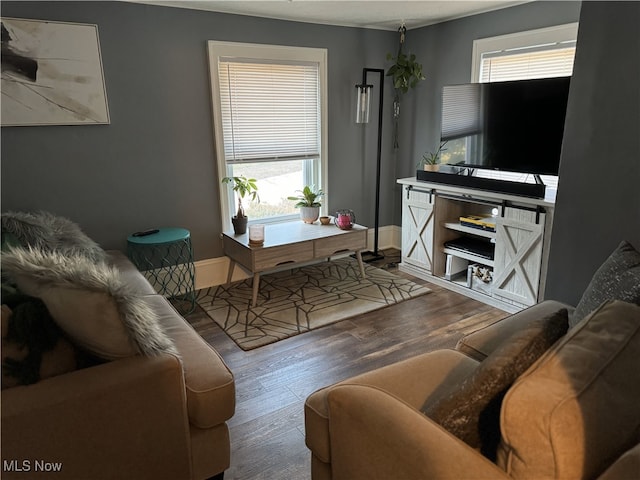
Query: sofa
column 549, row 392
column 155, row 408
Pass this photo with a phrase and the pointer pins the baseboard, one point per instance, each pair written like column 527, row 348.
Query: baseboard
column 389, row 236
column 213, row 271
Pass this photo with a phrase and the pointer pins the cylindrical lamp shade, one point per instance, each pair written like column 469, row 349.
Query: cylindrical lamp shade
column 362, row 103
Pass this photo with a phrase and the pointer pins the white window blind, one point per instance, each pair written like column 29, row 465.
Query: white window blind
column 270, row 109
column 460, row 111
column 541, row 61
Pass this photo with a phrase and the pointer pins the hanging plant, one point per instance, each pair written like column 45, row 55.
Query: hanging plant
column 406, row 73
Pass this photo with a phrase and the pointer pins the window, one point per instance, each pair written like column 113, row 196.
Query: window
column 269, row 105
column 542, row 53
column 547, row 52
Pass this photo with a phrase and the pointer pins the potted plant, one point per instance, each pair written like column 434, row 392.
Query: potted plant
column 243, row 187
column 406, row 73
column 308, row 203
column 430, row 160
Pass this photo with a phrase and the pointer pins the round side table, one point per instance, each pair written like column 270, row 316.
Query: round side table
column 165, row 258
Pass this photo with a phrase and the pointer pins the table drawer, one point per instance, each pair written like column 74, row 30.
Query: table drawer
column 348, row 242
column 271, row 257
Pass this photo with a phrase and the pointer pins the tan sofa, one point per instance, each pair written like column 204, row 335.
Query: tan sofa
column 157, row 417
column 573, row 414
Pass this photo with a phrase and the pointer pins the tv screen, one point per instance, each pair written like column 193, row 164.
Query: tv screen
column 514, row 126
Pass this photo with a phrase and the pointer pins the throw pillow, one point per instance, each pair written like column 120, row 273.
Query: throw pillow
column 46, row 231
column 33, row 346
column 618, row 278
column 471, row 411
column 90, row 302
column 576, row 410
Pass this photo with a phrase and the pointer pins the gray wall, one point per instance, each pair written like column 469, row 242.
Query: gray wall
column 598, row 202
column 154, row 165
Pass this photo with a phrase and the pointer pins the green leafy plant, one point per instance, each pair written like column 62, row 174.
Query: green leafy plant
column 405, row 71
column 244, row 187
column 308, row 197
column 432, row 158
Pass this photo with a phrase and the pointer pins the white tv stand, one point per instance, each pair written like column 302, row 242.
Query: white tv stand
column 431, row 216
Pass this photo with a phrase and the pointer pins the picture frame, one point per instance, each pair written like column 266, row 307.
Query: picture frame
column 51, row 74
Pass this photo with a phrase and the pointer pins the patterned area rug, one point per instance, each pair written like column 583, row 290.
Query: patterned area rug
column 302, row 299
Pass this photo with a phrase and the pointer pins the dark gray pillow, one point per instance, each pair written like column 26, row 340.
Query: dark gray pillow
column 46, row 231
column 471, row 410
column 618, row 278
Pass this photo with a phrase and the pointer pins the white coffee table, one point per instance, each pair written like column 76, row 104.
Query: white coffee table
column 291, row 243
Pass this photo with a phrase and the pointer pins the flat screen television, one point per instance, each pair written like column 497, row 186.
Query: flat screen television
column 514, row 126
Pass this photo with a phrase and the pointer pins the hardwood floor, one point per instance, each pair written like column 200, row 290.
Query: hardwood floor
column 272, row 382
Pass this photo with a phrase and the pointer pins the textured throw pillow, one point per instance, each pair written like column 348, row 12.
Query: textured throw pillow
column 471, row 411
column 618, row 278
column 46, row 231
column 90, row 302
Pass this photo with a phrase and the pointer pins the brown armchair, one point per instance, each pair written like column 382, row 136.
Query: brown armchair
column 573, row 414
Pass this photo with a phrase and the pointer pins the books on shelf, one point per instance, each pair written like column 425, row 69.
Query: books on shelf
column 482, row 222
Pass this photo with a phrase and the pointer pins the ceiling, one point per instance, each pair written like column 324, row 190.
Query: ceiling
column 377, row 14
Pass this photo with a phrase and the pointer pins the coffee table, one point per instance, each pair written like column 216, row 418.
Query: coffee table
column 291, row 243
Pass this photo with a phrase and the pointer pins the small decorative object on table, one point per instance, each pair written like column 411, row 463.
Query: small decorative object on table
column 344, row 219
column 256, row 235
column 165, row 257
column 324, row 220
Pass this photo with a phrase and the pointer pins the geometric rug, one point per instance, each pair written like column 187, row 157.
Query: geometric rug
column 295, row 301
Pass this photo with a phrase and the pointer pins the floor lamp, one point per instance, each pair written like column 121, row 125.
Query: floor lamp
column 363, row 99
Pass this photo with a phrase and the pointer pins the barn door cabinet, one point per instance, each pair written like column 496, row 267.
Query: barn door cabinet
column 513, row 277
column 417, row 227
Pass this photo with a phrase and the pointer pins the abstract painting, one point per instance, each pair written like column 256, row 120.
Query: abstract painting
column 51, row 74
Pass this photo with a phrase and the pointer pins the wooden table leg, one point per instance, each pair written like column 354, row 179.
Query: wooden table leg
column 359, row 257
column 232, row 265
column 256, row 287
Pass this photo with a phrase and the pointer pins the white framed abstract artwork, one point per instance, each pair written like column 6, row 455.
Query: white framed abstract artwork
column 51, row 74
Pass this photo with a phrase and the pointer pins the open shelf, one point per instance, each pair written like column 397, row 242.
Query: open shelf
column 469, row 256
column 470, row 230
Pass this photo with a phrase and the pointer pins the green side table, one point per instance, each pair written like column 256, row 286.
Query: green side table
column 166, row 260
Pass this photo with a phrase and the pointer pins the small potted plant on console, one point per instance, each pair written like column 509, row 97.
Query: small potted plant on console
column 243, row 187
column 309, row 204
column 430, row 160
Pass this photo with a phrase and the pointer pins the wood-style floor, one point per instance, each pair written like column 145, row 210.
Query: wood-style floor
column 272, row 382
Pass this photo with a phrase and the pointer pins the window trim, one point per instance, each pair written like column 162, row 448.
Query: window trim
column 556, row 34
column 217, row 49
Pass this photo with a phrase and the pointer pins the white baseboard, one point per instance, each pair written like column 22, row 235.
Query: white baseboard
column 213, row 271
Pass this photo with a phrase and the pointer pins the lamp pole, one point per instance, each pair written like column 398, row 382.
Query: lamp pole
column 363, row 104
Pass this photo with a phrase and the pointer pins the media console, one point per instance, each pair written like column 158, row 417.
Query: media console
column 533, row 190
column 503, row 266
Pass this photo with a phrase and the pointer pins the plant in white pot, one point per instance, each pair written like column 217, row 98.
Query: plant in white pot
column 308, row 203
column 244, row 187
